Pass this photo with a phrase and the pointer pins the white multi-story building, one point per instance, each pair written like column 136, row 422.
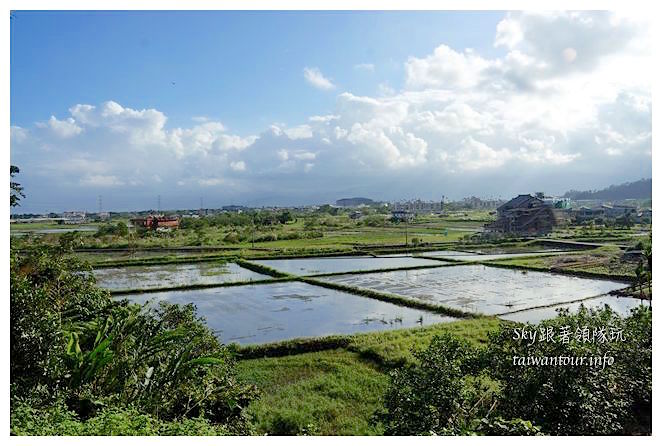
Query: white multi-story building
column 418, row 206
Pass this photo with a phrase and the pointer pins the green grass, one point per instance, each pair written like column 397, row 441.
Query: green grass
column 604, row 262
column 388, row 348
column 337, row 391
column 324, row 393
column 395, row 346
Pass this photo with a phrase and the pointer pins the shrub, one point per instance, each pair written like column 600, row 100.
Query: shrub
column 579, row 400
column 231, row 237
column 75, row 350
column 119, row 229
column 58, row 420
column 454, row 389
column 437, row 395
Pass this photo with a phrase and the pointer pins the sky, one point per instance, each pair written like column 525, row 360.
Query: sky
column 291, row 108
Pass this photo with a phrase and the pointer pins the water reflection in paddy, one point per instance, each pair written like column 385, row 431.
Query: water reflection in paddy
column 469, row 257
column 252, row 314
column 480, row 288
column 323, row 265
column 621, row 305
column 157, row 276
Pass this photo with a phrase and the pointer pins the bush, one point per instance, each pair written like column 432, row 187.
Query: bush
column 120, row 229
column 231, row 237
column 439, row 394
column 454, row 389
column 58, row 420
column 580, row 400
column 76, row 355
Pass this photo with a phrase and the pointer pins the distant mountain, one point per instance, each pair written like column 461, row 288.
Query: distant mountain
column 636, row 189
column 353, row 202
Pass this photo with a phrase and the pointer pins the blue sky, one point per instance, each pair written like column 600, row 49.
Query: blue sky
column 241, row 67
column 306, row 107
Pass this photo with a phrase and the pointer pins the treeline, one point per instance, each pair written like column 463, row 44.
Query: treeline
column 636, row 189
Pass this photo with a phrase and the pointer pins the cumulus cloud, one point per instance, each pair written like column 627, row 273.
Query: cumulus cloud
column 62, row 129
column 446, row 68
column 569, row 112
column 315, row 78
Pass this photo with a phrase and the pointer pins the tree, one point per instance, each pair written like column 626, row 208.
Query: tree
column 15, row 189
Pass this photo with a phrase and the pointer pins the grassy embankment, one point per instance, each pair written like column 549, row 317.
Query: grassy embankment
column 337, row 389
column 606, row 262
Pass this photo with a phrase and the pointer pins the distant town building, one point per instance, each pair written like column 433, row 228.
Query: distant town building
column 234, row 208
column 354, row 202
column 527, row 215
column 74, row 217
column 156, row 222
column 417, row 207
column 611, row 212
column 401, row 215
column 479, row 203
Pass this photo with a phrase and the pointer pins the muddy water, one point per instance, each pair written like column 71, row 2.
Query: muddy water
column 157, row 276
column 621, row 305
column 253, row 314
column 468, row 257
column 479, row 288
column 323, row 265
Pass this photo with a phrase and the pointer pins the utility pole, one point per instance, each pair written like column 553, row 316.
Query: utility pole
column 100, row 205
column 253, row 234
column 158, row 204
column 406, row 231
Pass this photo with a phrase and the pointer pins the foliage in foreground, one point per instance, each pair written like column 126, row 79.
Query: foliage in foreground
column 80, row 359
column 455, row 388
column 333, row 392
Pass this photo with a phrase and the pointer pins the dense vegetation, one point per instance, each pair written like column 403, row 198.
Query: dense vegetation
column 82, row 363
column 456, row 388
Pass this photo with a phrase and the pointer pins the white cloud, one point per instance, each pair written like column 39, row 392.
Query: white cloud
column 475, row 155
column 18, row 134
column 207, row 182
column 66, row 128
column 324, row 119
column 300, row 132
column 547, row 108
column 446, row 68
column 238, row 166
column 101, row 181
column 315, row 78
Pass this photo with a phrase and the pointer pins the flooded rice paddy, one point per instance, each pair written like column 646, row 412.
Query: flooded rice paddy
column 478, row 288
column 470, row 257
column 253, row 314
column 326, row 265
column 160, row 276
column 621, row 305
